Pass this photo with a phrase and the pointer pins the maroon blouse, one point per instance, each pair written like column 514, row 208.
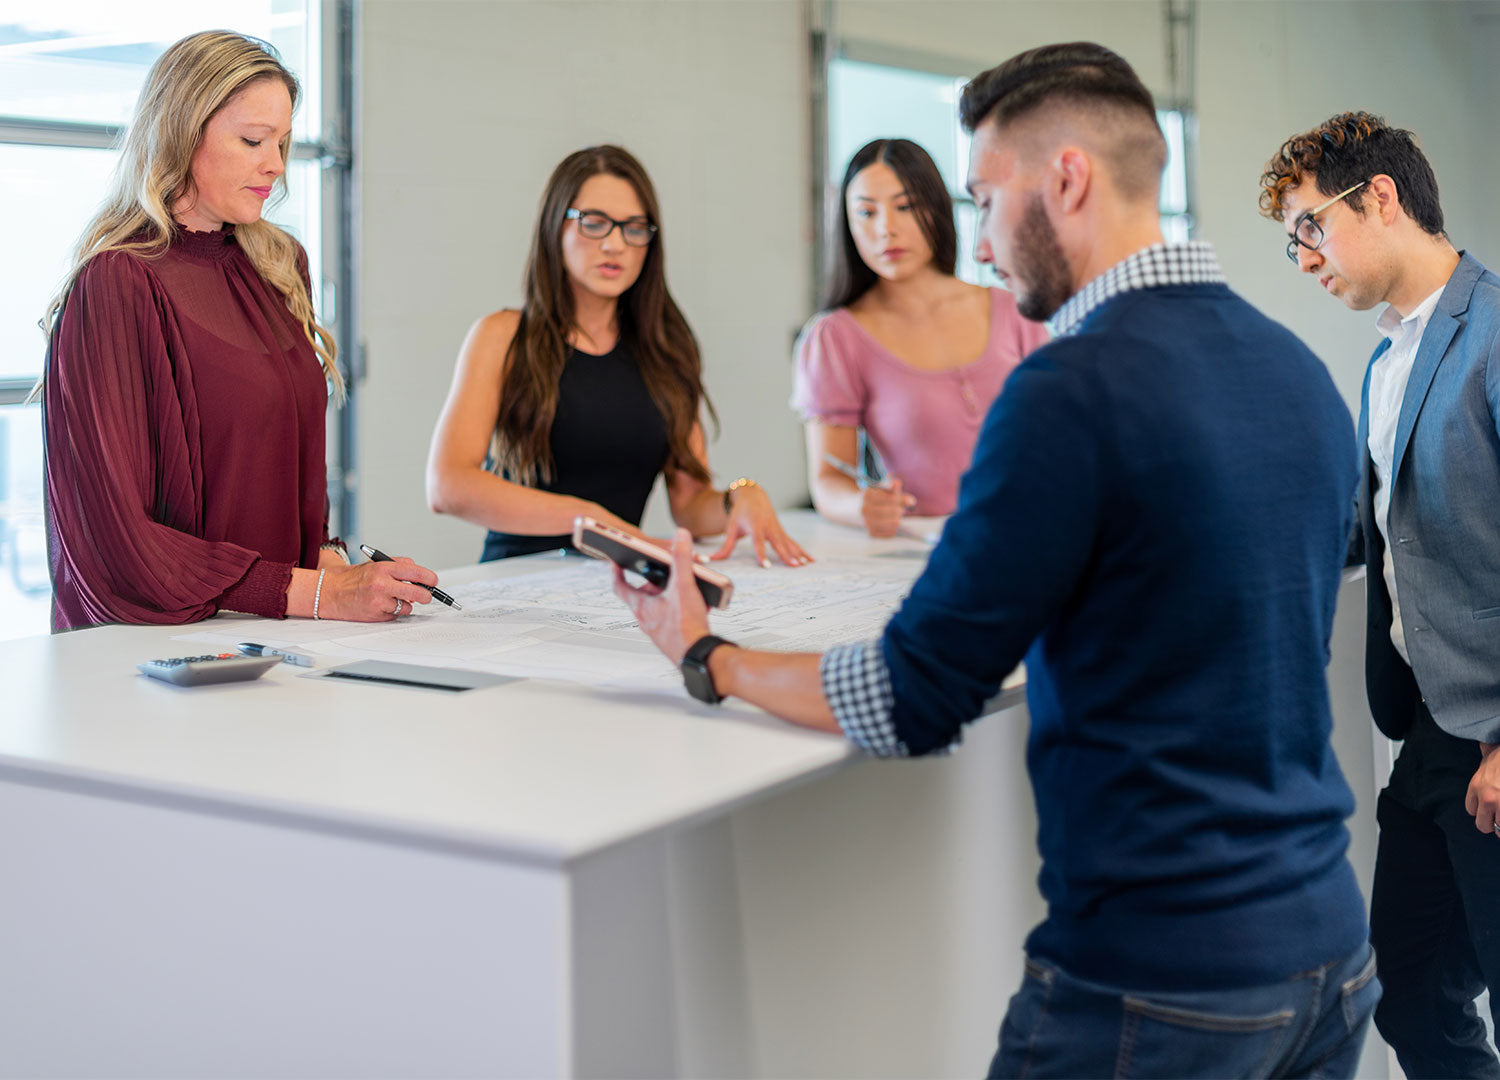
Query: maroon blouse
column 184, row 419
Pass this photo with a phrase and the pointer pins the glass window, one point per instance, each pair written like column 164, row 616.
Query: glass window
column 871, row 101
column 50, row 193
column 25, row 589
column 83, row 61
column 70, row 72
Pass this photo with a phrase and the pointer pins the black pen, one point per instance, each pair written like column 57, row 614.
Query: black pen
column 437, row 594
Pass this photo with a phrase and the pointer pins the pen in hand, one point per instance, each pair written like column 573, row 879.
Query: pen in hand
column 376, row 555
column 851, row 472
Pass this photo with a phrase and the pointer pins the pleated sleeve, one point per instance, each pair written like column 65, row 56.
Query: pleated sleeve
column 124, row 474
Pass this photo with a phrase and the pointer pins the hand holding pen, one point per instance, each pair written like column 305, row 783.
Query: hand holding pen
column 376, row 555
column 882, row 503
column 367, row 591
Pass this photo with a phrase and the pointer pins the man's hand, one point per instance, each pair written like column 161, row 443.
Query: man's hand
column 1483, row 799
column 673, row 616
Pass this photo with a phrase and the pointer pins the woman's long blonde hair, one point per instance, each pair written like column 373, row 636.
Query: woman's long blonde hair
column 187, row 85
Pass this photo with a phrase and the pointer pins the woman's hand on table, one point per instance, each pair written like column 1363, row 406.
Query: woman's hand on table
column 370, row 591
column 751, row 514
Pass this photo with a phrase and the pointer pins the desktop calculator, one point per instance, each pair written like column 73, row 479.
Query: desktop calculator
column 212, row 668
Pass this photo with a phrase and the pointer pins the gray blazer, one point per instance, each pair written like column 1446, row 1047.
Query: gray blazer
column 1444, row 522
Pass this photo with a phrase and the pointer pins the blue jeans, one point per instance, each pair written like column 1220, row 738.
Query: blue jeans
column 1312, row 1025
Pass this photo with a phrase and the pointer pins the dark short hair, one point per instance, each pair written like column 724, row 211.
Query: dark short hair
column 1345, row 150
column 1089, row 80
column 1079, row 72
column 849, row 276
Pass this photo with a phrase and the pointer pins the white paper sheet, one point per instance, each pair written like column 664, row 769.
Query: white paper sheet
column 565, row 622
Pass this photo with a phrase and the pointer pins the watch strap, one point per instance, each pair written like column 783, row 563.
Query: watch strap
column 694, row 666
column 698, row 651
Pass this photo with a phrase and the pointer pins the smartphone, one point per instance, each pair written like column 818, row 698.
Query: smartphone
column 652, row 562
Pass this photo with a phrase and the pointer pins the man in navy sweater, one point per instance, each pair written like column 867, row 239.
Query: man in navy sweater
column 1155, row 518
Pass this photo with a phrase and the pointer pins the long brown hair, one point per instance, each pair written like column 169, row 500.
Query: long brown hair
column 185, row 88
column 650, row 322
column 850, row 277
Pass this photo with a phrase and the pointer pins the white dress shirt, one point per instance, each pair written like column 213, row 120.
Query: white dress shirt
column 1388, row 380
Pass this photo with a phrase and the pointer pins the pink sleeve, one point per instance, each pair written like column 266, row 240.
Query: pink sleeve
column 123, row 473
column 829, row 385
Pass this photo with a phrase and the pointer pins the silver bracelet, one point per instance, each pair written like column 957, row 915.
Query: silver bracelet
column 318, row 593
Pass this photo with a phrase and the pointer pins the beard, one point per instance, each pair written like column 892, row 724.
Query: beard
column 1041, row 269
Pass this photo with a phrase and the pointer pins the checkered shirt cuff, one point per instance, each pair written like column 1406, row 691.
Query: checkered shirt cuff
column 857, row 686
column 1160, row 264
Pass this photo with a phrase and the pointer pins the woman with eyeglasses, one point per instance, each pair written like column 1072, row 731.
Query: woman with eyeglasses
column 574, row 404
column 903, row 349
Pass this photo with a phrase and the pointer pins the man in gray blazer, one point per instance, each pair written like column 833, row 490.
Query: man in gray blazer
column 1360, row 204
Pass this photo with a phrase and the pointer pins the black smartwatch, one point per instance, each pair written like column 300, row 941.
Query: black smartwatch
column 695, row 668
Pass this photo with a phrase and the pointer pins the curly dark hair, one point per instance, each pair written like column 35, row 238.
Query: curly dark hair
column 1343, row 151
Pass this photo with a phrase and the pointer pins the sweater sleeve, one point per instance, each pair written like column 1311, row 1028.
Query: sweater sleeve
column 1010, row 557
column 123, row 468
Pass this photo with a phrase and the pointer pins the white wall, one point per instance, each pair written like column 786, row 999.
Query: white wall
column 1277, row 69
column 465, row 108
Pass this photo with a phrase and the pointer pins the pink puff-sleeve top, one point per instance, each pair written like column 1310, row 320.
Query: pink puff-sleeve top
column 924, row 424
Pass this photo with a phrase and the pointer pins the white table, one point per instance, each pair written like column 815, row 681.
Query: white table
column 296, row 877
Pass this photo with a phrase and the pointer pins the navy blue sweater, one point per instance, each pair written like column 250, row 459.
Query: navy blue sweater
column 1156, row 518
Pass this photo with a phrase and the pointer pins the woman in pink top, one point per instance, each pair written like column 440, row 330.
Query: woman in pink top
column 904, row 349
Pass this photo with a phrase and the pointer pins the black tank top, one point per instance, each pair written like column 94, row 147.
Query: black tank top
column 609, row 442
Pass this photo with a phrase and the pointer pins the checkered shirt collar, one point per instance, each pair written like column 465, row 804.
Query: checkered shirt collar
column 1160, row 264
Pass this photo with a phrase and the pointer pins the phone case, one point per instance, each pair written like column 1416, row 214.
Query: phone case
column 646, row 559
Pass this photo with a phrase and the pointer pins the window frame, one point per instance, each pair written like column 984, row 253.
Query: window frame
column 830, row 49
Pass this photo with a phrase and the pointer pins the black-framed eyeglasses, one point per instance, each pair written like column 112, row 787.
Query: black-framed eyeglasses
column 1308, row 233
column 597, row 226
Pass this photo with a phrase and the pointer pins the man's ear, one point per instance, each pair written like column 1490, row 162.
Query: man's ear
column 1382, row 198
column 1070, row 173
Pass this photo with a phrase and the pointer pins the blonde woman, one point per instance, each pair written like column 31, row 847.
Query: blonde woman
column 187, row 379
